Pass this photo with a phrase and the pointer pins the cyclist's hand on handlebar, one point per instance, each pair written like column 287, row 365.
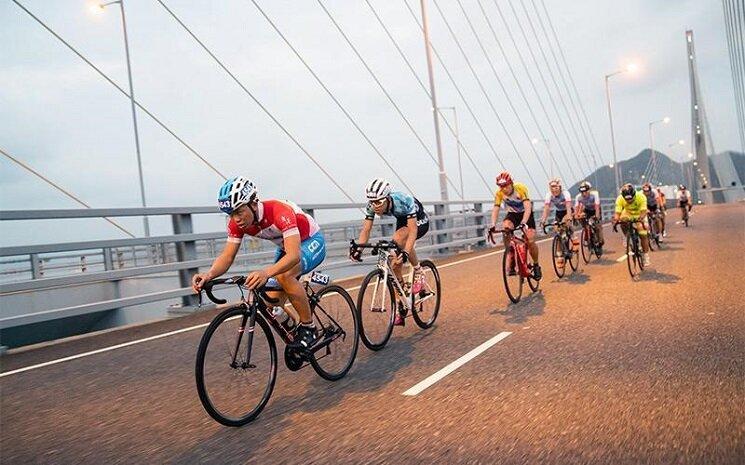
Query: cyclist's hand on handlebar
column 490, row 235
column 198, row 280
column 256, row 279
column 355, row 254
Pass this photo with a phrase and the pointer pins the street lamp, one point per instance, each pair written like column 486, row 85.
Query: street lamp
column 552, row 162
column 653, row 158
column 98, row 9
column 631, row 68
column 457, row 144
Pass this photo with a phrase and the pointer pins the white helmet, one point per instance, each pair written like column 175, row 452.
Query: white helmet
column 236, row 192
column 377, row 189
column 555, row 182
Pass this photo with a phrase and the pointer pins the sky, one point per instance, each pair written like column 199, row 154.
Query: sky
column 66, row 121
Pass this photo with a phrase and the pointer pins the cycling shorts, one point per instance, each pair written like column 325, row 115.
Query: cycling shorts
column 312, row 252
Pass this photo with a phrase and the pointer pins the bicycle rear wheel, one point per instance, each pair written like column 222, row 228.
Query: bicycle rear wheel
column 426, row 304
column 586, row 244
column 513, row 284
column 336, row 316
column 376, row 304
column 557, row 256
column 234, row 393
column 532, row 282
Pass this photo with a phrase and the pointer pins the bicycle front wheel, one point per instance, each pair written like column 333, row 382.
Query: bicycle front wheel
column 574, row 257
column 426, row 304
column 586, row 245
column 336, row 316
column 558, row 259
column 513, row 281
column 631, row 256
column 232, row 387
column 376, row 304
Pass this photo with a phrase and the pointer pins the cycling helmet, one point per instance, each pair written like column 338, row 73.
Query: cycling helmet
column 555, row 182
column 682, row 187
column 236, row 192
column 585, row 186
column 646, row 186
column 504, row 179
column 377, row 189
column 628, row 191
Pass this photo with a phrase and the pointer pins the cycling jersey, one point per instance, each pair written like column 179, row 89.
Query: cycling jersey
column 400, row 205
column 275, row 221
column 590, row 202
column 514, row 201
column 634, row 208
column 558, row 201
column 651, row 198
column 684, row 196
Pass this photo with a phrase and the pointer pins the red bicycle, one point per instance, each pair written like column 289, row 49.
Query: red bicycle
column 517, row 264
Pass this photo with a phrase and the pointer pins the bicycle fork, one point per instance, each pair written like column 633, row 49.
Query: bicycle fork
column 251, row 318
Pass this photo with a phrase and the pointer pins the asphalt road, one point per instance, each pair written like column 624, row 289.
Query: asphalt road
column 596, row 369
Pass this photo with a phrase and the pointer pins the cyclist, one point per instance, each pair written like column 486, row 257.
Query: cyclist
column 561, row 200
column 684, row 201
column 587, row 205
column 300, row 247
column 412, row 223
column 514, row 196
column 652, row 205
column 662, row 202
column 632, row 206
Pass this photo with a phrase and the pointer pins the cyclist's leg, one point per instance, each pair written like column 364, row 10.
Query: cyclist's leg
column 400, row 237
column 642, row 228
column 312, row 253
column 530, row 238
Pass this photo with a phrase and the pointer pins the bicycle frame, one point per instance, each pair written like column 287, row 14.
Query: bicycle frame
column 518, row 253
column 385, row 266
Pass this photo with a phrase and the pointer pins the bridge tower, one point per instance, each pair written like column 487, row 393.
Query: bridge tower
column 698, row 127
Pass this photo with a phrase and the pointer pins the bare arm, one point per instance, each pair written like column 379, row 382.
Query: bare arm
column 494, row 215
column 221, row 264
column 528, row 210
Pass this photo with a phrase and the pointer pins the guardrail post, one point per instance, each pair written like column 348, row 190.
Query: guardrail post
column 386, row 229
column 36, row 268
column 108, row 262
column 440, row 224
column 185, row 251
column 479, row 208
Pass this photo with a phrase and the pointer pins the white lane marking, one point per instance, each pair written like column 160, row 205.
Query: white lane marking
column 621, row 258
column 191, row 328
column 429, row 381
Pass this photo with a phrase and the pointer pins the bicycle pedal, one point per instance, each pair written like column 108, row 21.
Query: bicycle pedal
column 377, row 310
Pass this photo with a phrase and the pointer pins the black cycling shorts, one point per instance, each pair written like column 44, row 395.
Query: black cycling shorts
column 517, row 217
column 422, row 221
column 560, row 214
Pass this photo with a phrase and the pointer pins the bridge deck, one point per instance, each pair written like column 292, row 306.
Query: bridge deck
column 598, row 369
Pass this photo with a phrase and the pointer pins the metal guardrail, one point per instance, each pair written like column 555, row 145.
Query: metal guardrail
column 449, row 232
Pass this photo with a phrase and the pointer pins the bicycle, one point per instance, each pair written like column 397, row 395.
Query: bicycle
column 562, row 248
column 589, row 241
column 634, row 258
column 516, row 263
column 236, row 364
column 686, row 216
column 654, row 234
column 376, row 309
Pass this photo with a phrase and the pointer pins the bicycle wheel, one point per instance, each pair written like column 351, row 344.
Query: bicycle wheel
column 586, row 244
column 574, row 258
column 631, row 259
column 234, row 393
column 651, row 232
column 513, row 284
column 336, row 315
column 426, row 304
column 376, row 304
column 532, row 282
column 557, row 256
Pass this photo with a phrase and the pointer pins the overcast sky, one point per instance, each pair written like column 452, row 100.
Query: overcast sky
column 62, row 118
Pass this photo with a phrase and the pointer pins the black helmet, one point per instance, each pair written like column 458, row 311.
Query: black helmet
column 628, row 191
column 585, row 186
column 682, row 187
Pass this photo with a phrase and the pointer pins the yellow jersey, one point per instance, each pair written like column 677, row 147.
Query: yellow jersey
column 635, row 207
column 514, row 201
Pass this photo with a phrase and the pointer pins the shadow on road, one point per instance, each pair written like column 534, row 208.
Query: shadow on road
column 531, row 305
column 578, row 277
column 664, row 278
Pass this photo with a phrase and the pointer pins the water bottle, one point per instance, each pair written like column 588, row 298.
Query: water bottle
column 283, row 318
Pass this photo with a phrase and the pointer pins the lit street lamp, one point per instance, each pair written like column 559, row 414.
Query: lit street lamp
column 653, row 158
column 631, row 68
column 98, row 9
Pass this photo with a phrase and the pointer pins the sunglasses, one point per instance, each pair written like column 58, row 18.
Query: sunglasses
column 378, row 202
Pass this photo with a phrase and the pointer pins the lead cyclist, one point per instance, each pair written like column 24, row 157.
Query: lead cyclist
column 412, row 223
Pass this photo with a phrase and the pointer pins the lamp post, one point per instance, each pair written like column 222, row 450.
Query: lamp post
column 535, row 141
column 652, row 159
column 629, row 69
column 98, row 9
column 457, row 144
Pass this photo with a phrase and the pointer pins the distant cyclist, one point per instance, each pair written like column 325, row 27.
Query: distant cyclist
column 684, row 201
column 514, row 196
column 662, row 202
column 653, row 205
column 587, row 205
column 300, row 247
column 632, row 206
column 412, row 223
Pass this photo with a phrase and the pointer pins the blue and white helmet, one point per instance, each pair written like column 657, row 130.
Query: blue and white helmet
column 236, row 192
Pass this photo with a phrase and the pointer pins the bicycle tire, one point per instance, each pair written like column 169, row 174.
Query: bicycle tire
column 574, row 258
column 631, row 259
column 556, row 243
column 586, row 244
column 202, row 390
column 514, row 297
column 532, row 282
column 438, row 296
column 353, row 335
column 364, row 336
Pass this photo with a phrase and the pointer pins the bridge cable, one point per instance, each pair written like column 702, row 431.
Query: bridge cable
column 260, row 105
column 426, row 91
column 61, row 189
column 110, row 81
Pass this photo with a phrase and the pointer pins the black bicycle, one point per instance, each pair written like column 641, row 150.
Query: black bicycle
column 589, row 240
column 655, row 235
column 562, row 248
column 236, row 365
column 634, row 258
column 381, row 295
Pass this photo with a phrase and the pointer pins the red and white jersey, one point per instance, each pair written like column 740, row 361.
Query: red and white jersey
column 277, row 219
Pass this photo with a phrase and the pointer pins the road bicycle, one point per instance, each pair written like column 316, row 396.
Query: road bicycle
column 517, row 264
column 589, row 240
column 381, row 295
column 686, row 213
column 562, row 248
column 654, row 234
column 236, row 365
column 634, row 257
